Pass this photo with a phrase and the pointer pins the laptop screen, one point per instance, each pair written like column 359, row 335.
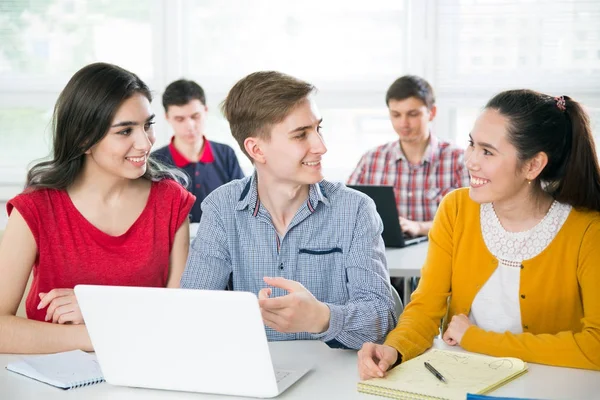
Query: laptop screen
column 385, row 202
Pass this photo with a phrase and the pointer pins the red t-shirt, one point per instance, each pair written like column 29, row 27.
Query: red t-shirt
column 72, row 251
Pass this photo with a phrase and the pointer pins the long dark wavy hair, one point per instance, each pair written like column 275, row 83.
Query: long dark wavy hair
column 82, row 117
column 559, row 127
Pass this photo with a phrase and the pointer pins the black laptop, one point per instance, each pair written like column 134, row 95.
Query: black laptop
column 385, row 202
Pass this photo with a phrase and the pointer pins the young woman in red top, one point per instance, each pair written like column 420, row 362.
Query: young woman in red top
column 97, row 213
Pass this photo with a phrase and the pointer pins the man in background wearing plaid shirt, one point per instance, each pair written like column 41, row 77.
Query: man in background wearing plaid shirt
column 420, row 167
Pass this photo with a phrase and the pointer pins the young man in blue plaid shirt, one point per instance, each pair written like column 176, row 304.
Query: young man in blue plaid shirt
column 310, row 249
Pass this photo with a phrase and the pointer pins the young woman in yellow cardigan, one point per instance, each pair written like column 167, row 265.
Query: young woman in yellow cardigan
column 518, row 252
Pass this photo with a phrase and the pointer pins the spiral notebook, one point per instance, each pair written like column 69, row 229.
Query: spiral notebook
column 68, row 370
column 464, row 373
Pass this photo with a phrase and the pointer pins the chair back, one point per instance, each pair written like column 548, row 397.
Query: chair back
column 398, row 306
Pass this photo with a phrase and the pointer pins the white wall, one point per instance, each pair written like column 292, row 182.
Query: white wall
column 3, row 216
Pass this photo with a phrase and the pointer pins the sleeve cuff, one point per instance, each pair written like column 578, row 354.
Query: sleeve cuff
column 471, row 338
column 395, row 346
column 336, row 324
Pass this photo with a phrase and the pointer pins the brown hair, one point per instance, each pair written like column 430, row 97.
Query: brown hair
column 82, row 117
column 537, row 123
column 411, row 86
column 259, row 101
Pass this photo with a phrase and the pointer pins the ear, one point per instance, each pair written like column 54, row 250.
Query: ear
column 89, row 150
column 432, row 112
column 205, row 108
column 535, row 166
column 252, row 145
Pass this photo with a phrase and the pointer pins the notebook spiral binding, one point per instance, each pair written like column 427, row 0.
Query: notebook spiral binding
column 90, row 382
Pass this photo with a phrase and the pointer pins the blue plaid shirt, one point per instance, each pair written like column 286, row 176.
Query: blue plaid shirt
column 333, row 247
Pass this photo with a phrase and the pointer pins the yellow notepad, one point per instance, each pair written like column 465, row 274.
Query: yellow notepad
column 464, row 372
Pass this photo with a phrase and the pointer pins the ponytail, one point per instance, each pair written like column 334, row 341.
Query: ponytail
column 580, row 185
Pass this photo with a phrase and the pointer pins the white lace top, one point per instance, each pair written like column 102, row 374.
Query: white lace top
column 497, row 306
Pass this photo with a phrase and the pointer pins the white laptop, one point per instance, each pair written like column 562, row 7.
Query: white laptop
column 181, row 339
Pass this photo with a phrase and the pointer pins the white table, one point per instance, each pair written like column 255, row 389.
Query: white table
column 406, row 263
column 334, row 376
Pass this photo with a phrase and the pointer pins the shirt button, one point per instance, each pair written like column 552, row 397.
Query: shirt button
column 522, row 266
column 522, row 296
column 281, row 266
column 525, row 327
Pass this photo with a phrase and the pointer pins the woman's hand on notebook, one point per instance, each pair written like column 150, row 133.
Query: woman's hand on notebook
column 456, row 329
column 375, row 359
column 62, row 306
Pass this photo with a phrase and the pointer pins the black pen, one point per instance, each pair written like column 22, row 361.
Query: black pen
column 435, row 372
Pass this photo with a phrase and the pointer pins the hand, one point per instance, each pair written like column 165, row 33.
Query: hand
column 62, row 306
column 375, row 359
column 298, row 311
column 456, row 329
column 412, row 228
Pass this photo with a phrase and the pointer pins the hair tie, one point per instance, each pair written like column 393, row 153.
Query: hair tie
column 561, row 103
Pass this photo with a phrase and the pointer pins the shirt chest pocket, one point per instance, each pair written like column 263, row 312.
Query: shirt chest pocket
column 320, row 252
column 322, row 271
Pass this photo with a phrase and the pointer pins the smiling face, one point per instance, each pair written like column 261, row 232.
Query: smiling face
column 123, row 151
column 293, row 152
column 497, row 175
column 410, row 118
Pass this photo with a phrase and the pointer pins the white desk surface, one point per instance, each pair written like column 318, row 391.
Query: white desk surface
column 334, row 376
column 406, row 262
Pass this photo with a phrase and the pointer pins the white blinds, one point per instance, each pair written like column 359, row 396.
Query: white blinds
column 483, row 46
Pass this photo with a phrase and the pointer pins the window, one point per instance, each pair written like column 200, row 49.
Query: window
column 348, row 133
column 485, row 46
column 16, row 121
column 491, row 45
column 42, row 44
column 351, row 50
column 350, row 44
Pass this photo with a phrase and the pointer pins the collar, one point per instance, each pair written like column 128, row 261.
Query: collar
column 249, row 197
column 429, row 156
column 182, row 161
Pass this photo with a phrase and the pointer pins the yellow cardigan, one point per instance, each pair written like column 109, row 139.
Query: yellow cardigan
column 559, row 292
